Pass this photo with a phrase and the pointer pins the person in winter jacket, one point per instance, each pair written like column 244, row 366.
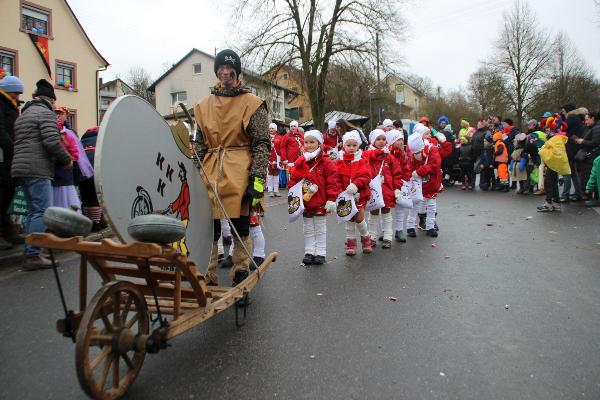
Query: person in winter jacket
column 425, row 163
column 395, row 141
column 486, row 178
column 519, row 160
column 383, row 164
column 291, row 146
column 332, row 142
column 320, row 190
column 590, row 144
column 354, row 176
column 37, row 149
column 64, row 193
column 510, row 131
column 466, row 131
column 477, row 147
column 11, row 88
column 274, row 161
column 593, row 185
column 501, row 161
column 573, row 118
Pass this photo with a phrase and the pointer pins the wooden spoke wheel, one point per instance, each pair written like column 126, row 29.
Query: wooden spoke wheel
column 110, row 349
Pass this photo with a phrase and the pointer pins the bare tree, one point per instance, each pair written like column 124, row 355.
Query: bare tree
column 139, row 79
column 311, row 34
column 487, row 90
column 525, row 52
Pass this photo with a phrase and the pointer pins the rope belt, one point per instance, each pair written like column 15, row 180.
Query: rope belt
column 220, row 150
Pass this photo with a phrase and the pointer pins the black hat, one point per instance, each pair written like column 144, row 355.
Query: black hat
column 569, row 107
column 397, row 123
column 229, row 57
column 44, row 88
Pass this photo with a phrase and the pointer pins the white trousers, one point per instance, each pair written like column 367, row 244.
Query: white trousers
column 428, row 206
column 272, row 183
column 258, row 241
column 399, row 218
column 381, row 223
column 225, row 231
column 315, row 235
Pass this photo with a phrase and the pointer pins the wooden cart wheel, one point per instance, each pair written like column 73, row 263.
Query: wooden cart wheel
column 106, row 356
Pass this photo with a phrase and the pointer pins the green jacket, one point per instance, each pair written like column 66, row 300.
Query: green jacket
column 593, row 184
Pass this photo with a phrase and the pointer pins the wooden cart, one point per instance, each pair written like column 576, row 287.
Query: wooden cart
column 112, row 332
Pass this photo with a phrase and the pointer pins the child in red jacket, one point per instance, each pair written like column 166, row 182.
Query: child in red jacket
column 425, row 163
column 354, row 176
column 320, row 190
column 395, row 141
column 274, row 161
column 385, row 165
column 291, row 146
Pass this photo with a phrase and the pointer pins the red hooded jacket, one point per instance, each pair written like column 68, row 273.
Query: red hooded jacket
column 275, row 151
column 291, row 146
column 323, row 174
column 351, row 167
column 390, row 172
column 429, row 168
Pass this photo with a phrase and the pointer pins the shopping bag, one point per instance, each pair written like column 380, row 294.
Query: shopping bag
column 554, row 155
column 376, row 201
column 333, row 154
column 415, row 189
column 534, row 176
column 346, row 207
column 295, row 201
column 405, row 201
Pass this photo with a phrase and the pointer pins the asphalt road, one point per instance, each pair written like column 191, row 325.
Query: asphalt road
column 504, row 307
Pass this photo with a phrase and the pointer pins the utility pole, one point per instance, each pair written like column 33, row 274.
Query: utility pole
column 378, row 74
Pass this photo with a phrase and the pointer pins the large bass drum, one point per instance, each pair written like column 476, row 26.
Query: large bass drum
column 142, row 167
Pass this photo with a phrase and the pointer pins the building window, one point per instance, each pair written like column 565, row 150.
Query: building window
column 197, row 68
column 275, row 92
column 36, row 19
column 178, row 97
column 72, row 120
column 285, row 77
column 276, row 109
column 300, row 112
column 253, row 90
column 8, row 61
column 66, row 75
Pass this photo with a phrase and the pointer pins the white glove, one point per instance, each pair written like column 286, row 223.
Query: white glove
column 291, row 164
column 312, row 188
column 386, row 150
column 352, row 189
column 356, row 196
column 415, row 175
column 330, row 206
column 397, row 193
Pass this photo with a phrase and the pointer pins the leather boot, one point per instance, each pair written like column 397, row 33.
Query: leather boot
column 241, row 261
column 211, row 273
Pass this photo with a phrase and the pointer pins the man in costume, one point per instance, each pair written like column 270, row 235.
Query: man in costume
column 233, row 145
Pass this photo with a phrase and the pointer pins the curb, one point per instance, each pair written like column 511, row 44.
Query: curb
column 15, row 255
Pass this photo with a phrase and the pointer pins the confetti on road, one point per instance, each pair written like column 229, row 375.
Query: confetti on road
column 392, row 298
column 442, row 374
column 433, row 244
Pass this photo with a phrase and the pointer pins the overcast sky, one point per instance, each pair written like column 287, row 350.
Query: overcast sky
column 445, row 41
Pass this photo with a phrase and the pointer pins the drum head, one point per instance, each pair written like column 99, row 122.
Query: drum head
column 140, row 168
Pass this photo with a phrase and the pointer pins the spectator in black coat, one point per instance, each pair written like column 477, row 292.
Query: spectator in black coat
column 11, row 88
column 590, row 144
column 573, row 117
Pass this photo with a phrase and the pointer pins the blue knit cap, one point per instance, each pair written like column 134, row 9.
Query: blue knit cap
column 443, row 118
column 12, row 84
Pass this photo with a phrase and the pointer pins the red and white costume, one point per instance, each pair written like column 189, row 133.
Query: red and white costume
column 291, row 146
column 274, row 160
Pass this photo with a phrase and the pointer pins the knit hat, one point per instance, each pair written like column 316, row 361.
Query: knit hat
column 12, row 84
column 315, row 134
column 273, row 125
column 415, row 142
column 398, row 123
column 569, row 107
column 294, row 123
column 393, row 136
column 443, row 118
column 464, row 121
column 228, row 57
column 497, row 136
column 331, row 124
column 375, row 134
column 351, row 135
column 386, row 123
column 420, row 129
column 547, row 114
column 44, row 88
column 424, row 119
column 62, row 110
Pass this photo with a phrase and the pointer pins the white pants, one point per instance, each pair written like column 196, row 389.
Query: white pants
column 399, row 218
column 272, row 183
column 351, row 228
column 315, row 235
column 381, row 220
column 427, row 205
column 258, row 242
column 225, row 231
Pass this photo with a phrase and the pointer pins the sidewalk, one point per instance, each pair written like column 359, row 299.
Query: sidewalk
column 15, row 255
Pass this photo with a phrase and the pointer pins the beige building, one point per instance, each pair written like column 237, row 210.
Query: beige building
column 109, row 92
column 73, row 60
column 298, row 103
column 413, row 99
column 192, row 78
